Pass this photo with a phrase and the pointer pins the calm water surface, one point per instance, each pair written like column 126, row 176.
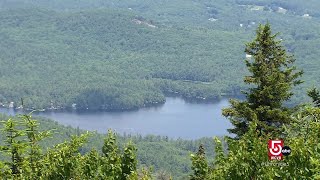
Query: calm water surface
column 176, row 118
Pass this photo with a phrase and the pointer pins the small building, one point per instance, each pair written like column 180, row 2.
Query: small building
column 11, row 104
column 306, row 16
column 282, row 10
column 248, row 56
column 212, row 19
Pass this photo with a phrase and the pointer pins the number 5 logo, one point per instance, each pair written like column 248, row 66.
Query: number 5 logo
column 274, row 149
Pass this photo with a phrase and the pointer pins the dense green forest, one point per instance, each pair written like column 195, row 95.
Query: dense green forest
column 129, row 54
column 262, row 116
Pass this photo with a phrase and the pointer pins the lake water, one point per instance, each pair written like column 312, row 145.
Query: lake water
column 176, row 118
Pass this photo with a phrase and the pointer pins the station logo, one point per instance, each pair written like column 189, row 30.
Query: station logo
column 276, row 150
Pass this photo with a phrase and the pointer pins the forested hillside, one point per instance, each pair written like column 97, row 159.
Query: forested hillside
column 128, row 54
column 167, row 157
column 263, row 125
column 104, row 59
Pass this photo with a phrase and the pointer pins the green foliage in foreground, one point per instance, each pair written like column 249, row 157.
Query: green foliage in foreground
column 167, row 157
column 200, row 165
column 263, row 117
column 247, row 158
column 25, row 159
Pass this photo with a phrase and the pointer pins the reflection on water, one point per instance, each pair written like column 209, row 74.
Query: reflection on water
column 175, row 118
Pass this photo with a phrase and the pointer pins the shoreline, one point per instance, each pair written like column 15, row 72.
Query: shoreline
column 190, row 100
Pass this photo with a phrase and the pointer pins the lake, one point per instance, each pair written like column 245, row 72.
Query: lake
column 175, row 119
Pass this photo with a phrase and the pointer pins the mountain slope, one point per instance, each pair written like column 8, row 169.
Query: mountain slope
column 129, row 54
column 105, row 59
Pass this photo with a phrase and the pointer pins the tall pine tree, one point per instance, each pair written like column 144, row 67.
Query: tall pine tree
column 272, row 76
column 199, row 165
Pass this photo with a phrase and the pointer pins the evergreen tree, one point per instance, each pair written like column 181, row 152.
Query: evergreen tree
column 247, row 158
column 112, row 159
column 92, row 164
column 33, row 138
column 129, row 161
column 199, row 165
column 315, row 96
column 64, row 161
column 15, row 146
column 272, row 77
